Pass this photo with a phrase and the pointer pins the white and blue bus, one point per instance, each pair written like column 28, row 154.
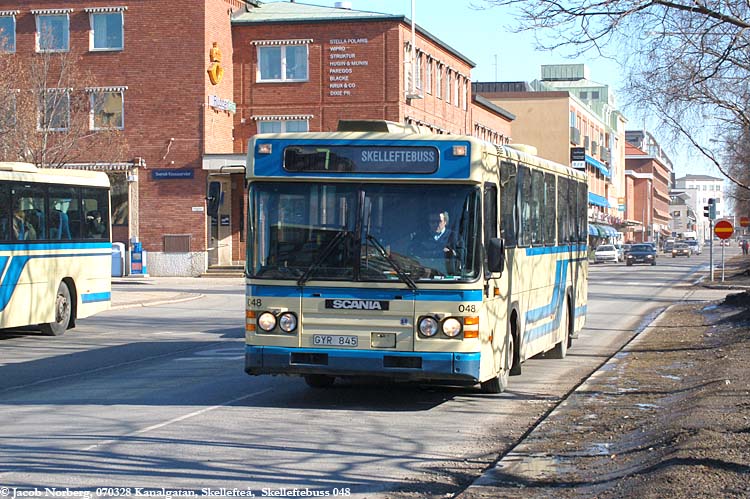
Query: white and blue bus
column 415, row 257
column 55, row 246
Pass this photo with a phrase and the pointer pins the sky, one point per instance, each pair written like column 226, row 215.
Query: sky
column 484, row 34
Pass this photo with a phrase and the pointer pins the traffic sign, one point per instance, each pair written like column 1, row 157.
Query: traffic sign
column 744, row 221
column 723, row 229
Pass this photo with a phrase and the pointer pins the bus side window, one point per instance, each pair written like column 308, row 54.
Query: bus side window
column 4, row 213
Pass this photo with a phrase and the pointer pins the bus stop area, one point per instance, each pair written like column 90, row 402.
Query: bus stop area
column 130, row 292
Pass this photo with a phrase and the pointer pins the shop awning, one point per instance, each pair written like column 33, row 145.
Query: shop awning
column 608, row 230
column 598, row 200
column 593, row 230
column 599, row 165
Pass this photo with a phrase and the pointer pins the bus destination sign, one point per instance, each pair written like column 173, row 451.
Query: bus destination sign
column 361, row 159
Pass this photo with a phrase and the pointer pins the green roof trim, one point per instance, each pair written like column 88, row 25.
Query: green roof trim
column 295, row 12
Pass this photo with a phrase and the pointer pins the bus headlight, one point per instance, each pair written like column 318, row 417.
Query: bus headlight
column 288, row 322
column 451, row 327
column 267, row 321
column 428, row 326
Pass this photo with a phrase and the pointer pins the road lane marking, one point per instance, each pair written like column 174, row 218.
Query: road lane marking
column 175, row 420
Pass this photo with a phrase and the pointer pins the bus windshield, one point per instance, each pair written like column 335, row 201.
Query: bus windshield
column 364, row 232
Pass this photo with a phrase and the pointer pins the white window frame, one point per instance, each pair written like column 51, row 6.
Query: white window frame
column 457, row 91
column 106, row 11
column 428, row 75
column 42, row 112
column 465, row 102
column 39, row 15
column 283, row 45
column 11, row 47
column 439, row 81
column 93, row 92
column 448, row 86
column 284, row 121
column 418, row 70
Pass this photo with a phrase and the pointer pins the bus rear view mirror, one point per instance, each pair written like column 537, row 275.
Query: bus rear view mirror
column 214, row 198
column 496, row 255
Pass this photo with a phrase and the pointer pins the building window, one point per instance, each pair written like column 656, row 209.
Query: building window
column 279, row 126
column 107, row 108
column 428, row 76
column 107, row 31
column 282, row 63
column 466, row 95
column 456, row 90
column 418, row 72
column 439, row 82
column 54, row 110
column 448, row 86
column 7, row 32
column 584, row 95
column 53, row 32
column 594, row 95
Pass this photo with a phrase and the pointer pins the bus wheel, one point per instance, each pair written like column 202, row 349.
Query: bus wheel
column 62, row 313
column 561, row 349
column 499, row 383
column 319, row 380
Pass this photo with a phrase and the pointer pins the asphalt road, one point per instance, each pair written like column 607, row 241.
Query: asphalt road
column 156, row 397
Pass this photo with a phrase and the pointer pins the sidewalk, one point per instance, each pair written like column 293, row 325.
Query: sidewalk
column 130, row 292
column 667, row 417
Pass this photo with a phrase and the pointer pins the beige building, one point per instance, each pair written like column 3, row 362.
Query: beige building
column 566, row 110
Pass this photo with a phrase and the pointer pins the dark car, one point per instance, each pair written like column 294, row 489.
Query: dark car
column 681, row 249
column 641, row 253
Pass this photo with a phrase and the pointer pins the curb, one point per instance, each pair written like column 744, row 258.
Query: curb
column 177, row 299
column 513, row 464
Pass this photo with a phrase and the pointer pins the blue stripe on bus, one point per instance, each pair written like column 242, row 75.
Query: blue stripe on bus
column 441, row 365
column 17, row 264
column 362, row 293
column 552, row 250
column 95, row 297
column 581, row 311
column 554, row 307
column 32, row 246
column 3, row 263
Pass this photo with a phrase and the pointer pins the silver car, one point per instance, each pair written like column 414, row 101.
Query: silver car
column 606, row 253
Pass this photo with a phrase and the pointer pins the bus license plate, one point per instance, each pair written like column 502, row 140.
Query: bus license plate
column 332, row 340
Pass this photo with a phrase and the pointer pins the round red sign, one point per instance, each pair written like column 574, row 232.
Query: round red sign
column 723, row 229
column 744, row 221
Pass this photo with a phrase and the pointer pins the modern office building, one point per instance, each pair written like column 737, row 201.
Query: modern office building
column 699, row 189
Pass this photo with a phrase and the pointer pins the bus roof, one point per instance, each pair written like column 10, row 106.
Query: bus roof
column 26, row 172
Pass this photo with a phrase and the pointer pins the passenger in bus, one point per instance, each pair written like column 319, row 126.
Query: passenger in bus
column 22, row 229
column 95, row 228
column 59, row 228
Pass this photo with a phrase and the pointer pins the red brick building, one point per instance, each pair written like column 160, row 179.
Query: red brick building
column 196, row 80
column 648, row 174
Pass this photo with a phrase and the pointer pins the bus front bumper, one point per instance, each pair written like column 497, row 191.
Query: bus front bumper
column 417, row 366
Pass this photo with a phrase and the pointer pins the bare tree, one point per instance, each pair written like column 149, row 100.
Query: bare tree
column 46, row 118
column 686, row 61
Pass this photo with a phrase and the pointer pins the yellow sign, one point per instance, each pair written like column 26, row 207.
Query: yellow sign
column 215, row 71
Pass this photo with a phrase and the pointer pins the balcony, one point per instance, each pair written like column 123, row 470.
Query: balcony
column 587, row 143
column 594, row 148
column 575, row 136
column 604, row 154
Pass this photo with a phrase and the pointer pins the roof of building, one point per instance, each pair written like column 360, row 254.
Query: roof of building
column 295, row 12
column 493, row 107
column 707, row 178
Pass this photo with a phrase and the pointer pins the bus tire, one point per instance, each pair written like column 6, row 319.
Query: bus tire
column 499, row 383
column 319, row 380
column 63, row 308
column 560, row 350
column 515, row 364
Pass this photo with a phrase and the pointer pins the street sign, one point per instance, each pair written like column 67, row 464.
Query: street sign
column 578, row 158
column 744, row 221
column 723, row 229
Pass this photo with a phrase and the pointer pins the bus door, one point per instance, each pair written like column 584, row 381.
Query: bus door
column 220, row 217
column 496, row 290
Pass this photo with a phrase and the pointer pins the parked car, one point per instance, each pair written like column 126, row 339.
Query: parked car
column 641, row 253
column 681, row 249
column 626, row 249
column 695, row 246
column 668, row 247
column 606, row 253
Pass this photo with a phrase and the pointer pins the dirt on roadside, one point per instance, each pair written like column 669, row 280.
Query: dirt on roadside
column 670, row 418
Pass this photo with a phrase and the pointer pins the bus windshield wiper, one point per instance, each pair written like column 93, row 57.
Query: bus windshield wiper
column 327, row 250
column 403, row 275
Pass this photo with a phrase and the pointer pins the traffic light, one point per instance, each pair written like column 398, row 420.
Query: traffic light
column 709, row 210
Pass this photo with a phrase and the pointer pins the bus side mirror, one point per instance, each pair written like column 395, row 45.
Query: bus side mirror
column 214, row 198
column 496, row 255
